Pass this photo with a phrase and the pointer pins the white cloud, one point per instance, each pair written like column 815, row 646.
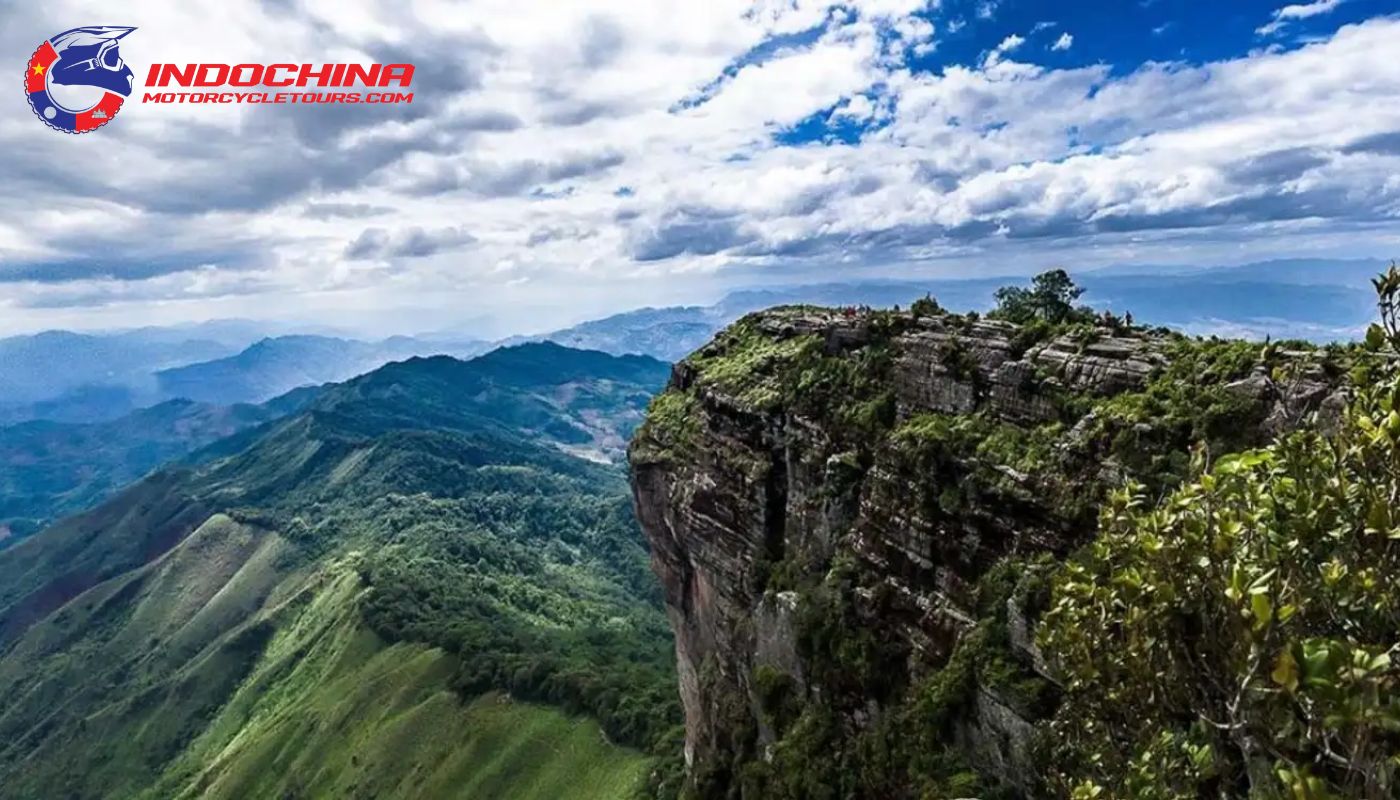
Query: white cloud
column 1008, row 44
column 549, row 162
column 1064, row 42
column 1296, row 11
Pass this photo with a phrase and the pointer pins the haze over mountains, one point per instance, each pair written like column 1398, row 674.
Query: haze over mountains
column 104, row 376
column 1315, row 299
column 130, row 401
column 50, row 469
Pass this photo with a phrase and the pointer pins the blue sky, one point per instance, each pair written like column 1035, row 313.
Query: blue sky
column 1122, row 35
column 562, row 161
column 1127, row 33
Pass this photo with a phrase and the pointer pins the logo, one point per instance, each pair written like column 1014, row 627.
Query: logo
column 77, row 80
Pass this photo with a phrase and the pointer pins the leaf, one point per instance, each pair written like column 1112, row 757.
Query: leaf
column 1375, row 337
column 1262, row 608
column 1285, row 672
column 1378, row 517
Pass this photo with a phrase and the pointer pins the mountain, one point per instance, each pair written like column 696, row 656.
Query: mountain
column 27, row 362
column 108, row 375
column 53, row 469
column 583, row 402
column 1354, row 273
column 1312, row 299
column 931, row 555
column 665, row 333
column 274, row 366
column 407, row 589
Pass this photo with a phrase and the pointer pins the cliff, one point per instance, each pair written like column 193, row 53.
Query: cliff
column 850, row 513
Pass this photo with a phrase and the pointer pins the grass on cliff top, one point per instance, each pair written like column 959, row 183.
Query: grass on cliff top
column 749, row 365
column 850, row 393
column 671, row 427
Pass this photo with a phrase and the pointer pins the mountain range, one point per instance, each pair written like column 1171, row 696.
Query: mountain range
column 1313, row 299
column 234, row 361
column 901, row 553
column 404, row 588
column 51, row 469
column 273, row 366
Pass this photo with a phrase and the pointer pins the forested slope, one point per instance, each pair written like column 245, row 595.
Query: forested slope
column 406, row 590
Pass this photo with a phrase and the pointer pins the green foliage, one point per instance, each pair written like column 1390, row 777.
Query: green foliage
column 1050, row 299
column 850, row 393
column 1187, row 405
column 777, row 696
column 749, row 365
column 908, row 749
column 852, row 659
column 672, row 426
column 1387, row 331
column 1238, row 638
column 330, row 710
column 49, row 470
column 926, row 306
column 548, row 597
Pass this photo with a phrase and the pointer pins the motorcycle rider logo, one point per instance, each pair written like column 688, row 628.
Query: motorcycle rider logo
column 77, row 80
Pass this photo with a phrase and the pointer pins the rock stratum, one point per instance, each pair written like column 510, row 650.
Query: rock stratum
column 852, row 513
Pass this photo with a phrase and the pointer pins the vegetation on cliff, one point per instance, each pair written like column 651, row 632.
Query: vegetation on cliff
column 1228, row 633
column 1239, row 638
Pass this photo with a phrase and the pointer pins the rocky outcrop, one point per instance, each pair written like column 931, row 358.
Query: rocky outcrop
column 745, row 501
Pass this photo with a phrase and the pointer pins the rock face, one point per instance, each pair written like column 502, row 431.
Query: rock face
column 756, row 483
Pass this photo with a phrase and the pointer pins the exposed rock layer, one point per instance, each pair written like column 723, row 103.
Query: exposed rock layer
column 751, row 485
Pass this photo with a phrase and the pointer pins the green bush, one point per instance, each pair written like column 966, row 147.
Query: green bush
column 1237, row 639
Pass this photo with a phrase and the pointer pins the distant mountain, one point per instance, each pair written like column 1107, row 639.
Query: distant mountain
column 52, row 469
column 584, row 402
column 1356, row 273
column 235, row 334
column 92, row 403
column 46, row 365
column 272, row 367
column 93, row 377
column 672, row 333
column 378, row 596
column 1318, row 299
column 666, row 333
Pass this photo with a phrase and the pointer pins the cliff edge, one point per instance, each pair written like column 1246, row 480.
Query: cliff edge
column 851, row 512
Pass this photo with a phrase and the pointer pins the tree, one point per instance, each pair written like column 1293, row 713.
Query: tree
column 1050, row 298
column 926, row 306
column 1387, row 331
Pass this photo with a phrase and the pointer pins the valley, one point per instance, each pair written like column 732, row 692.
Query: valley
column 872, row 530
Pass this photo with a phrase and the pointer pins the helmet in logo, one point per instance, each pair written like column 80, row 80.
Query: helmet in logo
column 77, row 80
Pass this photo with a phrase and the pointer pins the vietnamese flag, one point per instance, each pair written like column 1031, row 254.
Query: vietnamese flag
column 37, row 74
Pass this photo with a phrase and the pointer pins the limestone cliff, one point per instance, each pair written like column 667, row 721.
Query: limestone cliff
column 847, row 510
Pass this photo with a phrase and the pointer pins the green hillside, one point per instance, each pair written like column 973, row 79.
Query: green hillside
column 51, row 469
column 377, row 597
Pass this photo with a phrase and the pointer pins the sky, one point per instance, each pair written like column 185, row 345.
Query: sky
column 565, row 160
